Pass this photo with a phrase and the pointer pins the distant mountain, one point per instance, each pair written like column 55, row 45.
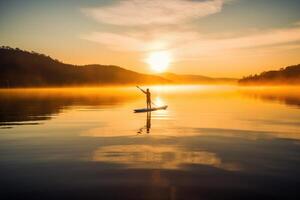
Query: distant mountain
column 196, row 79
column 287, row 75
column 20, row 68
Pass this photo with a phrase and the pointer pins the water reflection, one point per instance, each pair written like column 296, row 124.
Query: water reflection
column 147, row 127
column 147, row 156
column 21, row 107
column 287, row 95
column 158, row 157
column 213, row 143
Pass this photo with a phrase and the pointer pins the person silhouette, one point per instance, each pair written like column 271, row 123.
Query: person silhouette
column 148, row 97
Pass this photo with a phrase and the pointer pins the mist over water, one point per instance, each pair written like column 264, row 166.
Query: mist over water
column 213, row 142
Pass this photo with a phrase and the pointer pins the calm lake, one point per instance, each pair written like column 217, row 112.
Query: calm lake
column 213, row 142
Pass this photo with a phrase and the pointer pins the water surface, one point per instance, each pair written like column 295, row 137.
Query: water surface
column 213, row 142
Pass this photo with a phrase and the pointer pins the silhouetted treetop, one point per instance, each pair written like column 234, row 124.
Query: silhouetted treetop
column 287, row 75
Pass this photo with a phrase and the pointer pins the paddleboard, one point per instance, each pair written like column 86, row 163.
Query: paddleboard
column 152, row 109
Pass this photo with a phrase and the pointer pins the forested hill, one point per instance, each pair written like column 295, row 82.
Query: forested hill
column 288, row 75
column 20, row 68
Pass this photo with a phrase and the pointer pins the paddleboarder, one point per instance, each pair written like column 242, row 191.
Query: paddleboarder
column 148, row 96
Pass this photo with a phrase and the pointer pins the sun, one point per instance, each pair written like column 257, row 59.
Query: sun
column 159, row 61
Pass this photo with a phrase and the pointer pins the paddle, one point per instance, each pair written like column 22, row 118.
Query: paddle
column 141, row 89
column 154, row 104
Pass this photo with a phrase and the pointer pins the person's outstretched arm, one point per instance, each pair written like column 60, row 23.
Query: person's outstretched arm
column 142, row 90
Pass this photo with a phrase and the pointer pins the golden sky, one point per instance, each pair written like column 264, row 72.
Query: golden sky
column 217, row 38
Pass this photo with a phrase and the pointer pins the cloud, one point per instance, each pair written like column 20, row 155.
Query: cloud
column 189, row 43
column 114, row 41
column 141, row 41
column 161, row 25
column 268, row 40
column 144, row 12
